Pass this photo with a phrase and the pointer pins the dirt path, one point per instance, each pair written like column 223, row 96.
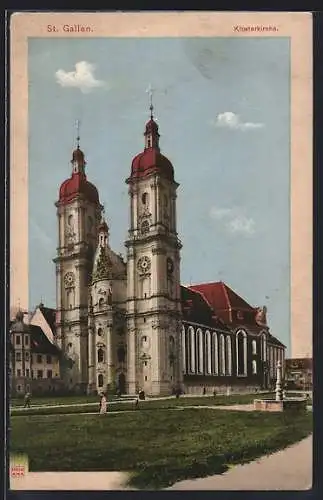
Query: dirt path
column 288, row 469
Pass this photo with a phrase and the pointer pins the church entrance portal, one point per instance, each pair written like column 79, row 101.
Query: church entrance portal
column 122, row 383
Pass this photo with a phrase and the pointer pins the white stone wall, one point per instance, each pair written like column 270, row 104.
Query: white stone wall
column 77, row 228
column 153, row 287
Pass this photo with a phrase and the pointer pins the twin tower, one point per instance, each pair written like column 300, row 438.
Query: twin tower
column 118, row 324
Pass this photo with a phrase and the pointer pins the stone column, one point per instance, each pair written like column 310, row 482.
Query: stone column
column 279, row 393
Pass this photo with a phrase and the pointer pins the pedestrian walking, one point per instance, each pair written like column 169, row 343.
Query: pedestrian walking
column 27, row 400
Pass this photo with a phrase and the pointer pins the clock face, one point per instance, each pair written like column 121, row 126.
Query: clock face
column 170, row 266
column 69, row 280
column 144, row 264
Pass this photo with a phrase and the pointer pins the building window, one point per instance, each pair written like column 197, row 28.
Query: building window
column 101, row 303
column 191, row 333
column 18, row 388
column 100, row 332
column 145, row 363
column 49, row 374
column 27, row 373
column 18, row 373
column 17, row 339
column 48, row 359
column 39, row 373
column 26, row 340
column 215, row 351
column 222, row 355
column 18, row 356
column 39, row 358
column 228, row 353
column 254, row 347
column 199, row 351
column 100, row 355
column 27, row 356
column 254, row 367
column 241, row 353
column 100, row 380
column 32, row 373
column 146, row 378
column 208, row 353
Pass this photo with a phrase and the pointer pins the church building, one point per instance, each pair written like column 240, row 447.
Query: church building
column 130, row 324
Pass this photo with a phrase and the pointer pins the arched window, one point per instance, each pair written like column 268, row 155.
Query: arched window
column 254, row 347
column 101, row 303
column 100, row 332
column 241, row 353
column 208, row 353
column 215, row 354
column 184, row 349
column 192, row 349
column 100, row 355
column 199, row 350
column 228, row 352
column 254, row 367
column 100, row 380
column 222, row 355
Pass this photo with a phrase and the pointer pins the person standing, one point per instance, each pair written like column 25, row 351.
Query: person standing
column 103, row 404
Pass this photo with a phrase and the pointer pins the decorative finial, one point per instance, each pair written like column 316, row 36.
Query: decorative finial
column 78, row 134
column 150, row 92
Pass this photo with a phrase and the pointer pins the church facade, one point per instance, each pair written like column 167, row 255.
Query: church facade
column 130, row 324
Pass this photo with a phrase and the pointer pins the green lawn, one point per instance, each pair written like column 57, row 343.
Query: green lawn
column 157, row 447
column 148, row 404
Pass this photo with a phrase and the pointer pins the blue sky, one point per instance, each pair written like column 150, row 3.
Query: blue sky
column 223, row 108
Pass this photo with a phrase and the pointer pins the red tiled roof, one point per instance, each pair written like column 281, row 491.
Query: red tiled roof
column 78, row 184
column 196, row 309
column 151, row 161
column 223, row 299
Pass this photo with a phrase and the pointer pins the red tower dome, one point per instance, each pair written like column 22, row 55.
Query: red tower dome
column 77, row 184
column 151, row 160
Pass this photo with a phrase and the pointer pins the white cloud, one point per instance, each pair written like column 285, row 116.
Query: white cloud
column 220, row 213
column 242, row 225
column 232, row 121
column 82, row 78
column 233, row 220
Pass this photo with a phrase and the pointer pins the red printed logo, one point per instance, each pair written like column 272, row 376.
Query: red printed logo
column 17, row 471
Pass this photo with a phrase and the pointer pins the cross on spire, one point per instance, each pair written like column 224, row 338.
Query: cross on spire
column 150, row 90
column 77, row 134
